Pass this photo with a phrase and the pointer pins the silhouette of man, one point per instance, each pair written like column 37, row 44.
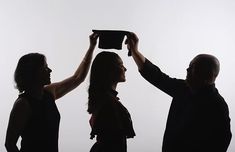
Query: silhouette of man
column 198, row 119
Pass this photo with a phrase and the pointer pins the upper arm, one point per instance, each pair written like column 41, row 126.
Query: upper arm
column 19, row 117
column 61, row 88
column 162, row 81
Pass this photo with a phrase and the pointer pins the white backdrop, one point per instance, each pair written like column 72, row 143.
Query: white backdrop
column 171, row 33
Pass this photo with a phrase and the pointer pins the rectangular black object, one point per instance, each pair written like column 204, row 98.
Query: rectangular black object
column 110, row 39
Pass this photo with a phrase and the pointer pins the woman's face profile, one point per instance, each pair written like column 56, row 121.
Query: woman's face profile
column 121, row 69
column 44, row 74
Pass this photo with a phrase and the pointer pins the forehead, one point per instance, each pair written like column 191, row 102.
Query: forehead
column 193, row 61
column 204, row 60
column 200, row 58
column 45, row 62
column 119, row 60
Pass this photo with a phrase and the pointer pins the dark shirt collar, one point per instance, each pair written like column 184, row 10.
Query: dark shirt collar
column 205, row 89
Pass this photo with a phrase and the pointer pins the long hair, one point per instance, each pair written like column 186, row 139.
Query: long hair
column 102, row 76
column 26, row 72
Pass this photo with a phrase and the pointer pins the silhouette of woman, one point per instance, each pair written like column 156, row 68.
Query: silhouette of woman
column 110, row 120
column 34, row 116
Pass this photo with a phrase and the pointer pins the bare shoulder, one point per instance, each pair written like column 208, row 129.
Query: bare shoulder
column 20, row 114
column 51, row 89
column 21, row 105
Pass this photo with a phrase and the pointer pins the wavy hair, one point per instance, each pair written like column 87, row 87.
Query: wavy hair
column 102, row 76
column 26, row 72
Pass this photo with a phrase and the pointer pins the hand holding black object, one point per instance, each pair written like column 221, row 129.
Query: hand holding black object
column 111, row 39
column 132, row 42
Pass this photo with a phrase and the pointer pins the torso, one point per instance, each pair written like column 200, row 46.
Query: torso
column 41, row 131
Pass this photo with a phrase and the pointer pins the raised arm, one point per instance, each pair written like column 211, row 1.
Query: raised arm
column 132, row 45
column 151, row 72
column 59, row 89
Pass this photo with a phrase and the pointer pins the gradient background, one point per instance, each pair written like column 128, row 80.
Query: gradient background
column 171, row 33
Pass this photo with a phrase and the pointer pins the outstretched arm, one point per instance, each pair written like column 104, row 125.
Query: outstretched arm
column 151, row 72
column 59, row 89
column 132, row 45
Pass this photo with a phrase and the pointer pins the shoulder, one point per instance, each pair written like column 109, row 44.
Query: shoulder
column 22, row 102
column 219, row 103
column 49, row 91
column 21, row 107
column 222, row 103
column 218, row 98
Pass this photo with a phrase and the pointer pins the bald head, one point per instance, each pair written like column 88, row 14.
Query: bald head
column 203, row 70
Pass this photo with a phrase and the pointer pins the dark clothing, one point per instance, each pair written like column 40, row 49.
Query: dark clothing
column 41, row 132
column 118, row 145
column 111, row 123
column 198, row 121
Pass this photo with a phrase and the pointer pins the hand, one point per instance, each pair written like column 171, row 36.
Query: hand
column 132, row 42
column 93, row 39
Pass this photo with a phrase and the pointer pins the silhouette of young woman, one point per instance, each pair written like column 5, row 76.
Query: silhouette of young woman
column 34, row 116
column 110, row 120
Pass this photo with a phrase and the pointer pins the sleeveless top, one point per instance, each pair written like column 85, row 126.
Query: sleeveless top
column 111, row 120
column 41, row 131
